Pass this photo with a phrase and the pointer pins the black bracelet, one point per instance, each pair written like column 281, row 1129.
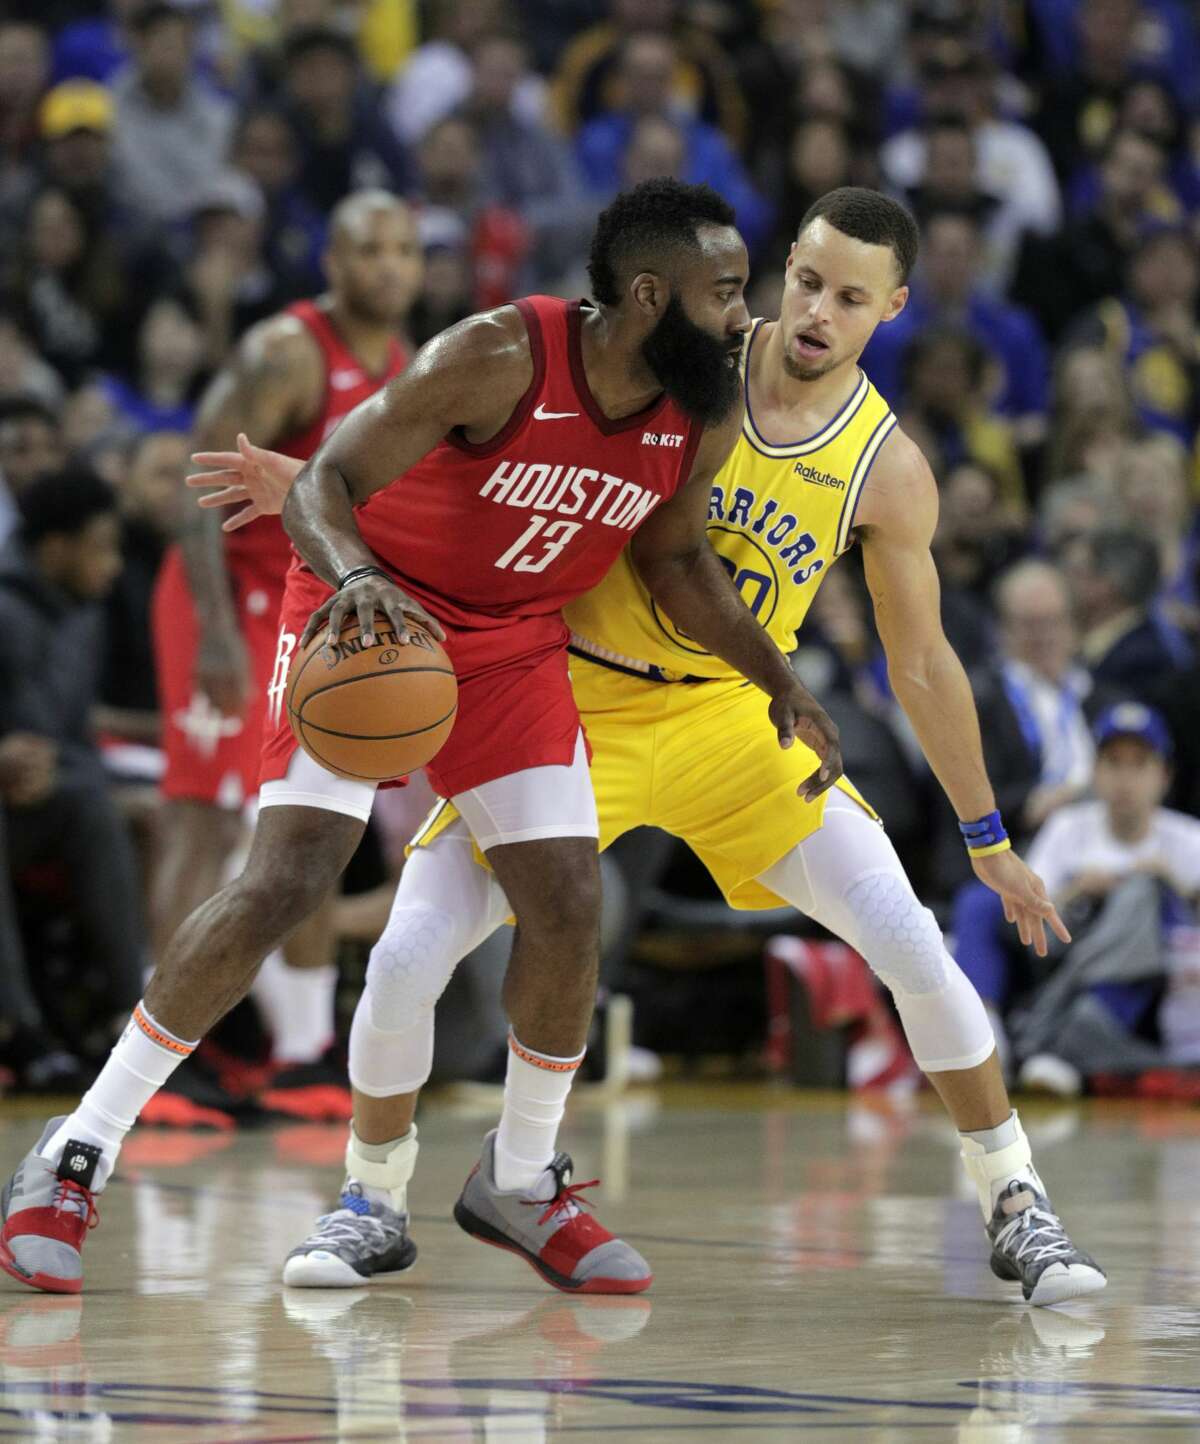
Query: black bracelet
column 356, row 572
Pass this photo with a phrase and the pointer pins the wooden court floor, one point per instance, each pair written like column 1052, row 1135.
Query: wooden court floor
column 820, row 1275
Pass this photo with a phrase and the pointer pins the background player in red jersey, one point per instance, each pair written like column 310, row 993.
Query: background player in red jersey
column 499, row 476
column 217, row 602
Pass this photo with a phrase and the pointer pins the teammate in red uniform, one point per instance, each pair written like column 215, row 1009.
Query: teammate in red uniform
column 216, row 608
column 498, row 477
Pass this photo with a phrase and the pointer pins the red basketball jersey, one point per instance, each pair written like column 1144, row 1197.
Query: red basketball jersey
column 264, row 544
column 520, row 525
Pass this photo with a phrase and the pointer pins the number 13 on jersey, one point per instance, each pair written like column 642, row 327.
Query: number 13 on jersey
column 552, row 536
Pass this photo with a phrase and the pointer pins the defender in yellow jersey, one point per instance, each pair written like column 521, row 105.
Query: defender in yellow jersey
column 680, row 742
column 780, row 515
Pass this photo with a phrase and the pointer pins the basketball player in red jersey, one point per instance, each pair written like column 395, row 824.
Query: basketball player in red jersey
column 497, row 478
column 216, row 608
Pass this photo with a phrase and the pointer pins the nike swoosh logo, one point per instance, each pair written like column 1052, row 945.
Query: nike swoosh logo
column 542, row 415
column 344, row 380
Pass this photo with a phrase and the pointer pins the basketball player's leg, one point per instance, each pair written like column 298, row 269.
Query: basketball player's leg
column 196, row 839
column 848, row 877
column 297, row 853
column 538, row 829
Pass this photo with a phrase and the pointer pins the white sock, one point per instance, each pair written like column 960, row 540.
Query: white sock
column 304, row 1024
column 383, row 1170
column 142, row 1060
column 535, row 1098
column 996, row 1157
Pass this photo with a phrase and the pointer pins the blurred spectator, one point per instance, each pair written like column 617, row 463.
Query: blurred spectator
column 646, row 67
column 657, row 147
column 24, row 72
column 1151, row 37
column 265, row 149
column 228, row 277
column 30, row 445
column 1011, row 162
column 976, row 536
column 76, row 122
column 947, row 292
column 170, row 362
column 63, row 562
column 454, row 212
column 819, row 158
column 96, row 46
column 1061, row 275
column 38, row 1061
column 944, row 379
column 345, row 145
column 1078, row 105
column 1091, row 417
column 172, row 132
column 1115, row 578
column 1122, row 870
column 72, row 287
column 1155, row 490
column 440, row 75
column 22, row 370
column 1074, row 507
column 527, row 169
column 1153, row 330
column 1034, row 702
column 948, row 180
column 446, row 295
column 586, row 83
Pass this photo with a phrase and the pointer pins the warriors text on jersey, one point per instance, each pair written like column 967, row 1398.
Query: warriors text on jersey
column 494, row 539
column 778, row 517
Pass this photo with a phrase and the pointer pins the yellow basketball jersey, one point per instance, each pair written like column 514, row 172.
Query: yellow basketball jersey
column 779, row 516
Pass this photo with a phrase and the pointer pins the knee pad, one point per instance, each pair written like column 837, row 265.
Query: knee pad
column 944, row 1020
column 410, row 965
column 898, row 937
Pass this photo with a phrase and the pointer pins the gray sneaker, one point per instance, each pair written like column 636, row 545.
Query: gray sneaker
column 568, row 1247
column 1031, row 1247
column 359, row 1243
column 47, row 1212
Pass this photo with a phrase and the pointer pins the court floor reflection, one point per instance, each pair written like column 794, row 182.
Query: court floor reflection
column 820, row 1274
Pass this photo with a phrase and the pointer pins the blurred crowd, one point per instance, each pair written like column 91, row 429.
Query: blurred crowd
column 167, row 168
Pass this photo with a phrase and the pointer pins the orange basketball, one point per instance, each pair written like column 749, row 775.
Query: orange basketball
column 372, row 712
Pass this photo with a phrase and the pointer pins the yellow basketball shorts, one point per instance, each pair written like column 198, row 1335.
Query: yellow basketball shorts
column 701, row 760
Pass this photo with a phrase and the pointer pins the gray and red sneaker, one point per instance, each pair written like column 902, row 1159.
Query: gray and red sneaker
column 568, row 1247
column 47, row 1212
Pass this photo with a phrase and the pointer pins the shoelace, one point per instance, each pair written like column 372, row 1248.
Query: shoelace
column 361, row 1231
column 1044, row 1236
column 566, row 1199
column 72, row 1197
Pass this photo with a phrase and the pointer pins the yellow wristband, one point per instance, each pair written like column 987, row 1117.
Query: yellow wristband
column 996, row 847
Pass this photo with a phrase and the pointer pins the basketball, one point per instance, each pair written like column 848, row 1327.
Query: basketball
column 372, row 713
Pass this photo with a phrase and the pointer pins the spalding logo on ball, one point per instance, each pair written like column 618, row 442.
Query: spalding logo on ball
column 372, row 711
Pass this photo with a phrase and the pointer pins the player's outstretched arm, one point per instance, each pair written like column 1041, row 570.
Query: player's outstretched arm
column 686, row 579
column 470, row 378
column 895, row 525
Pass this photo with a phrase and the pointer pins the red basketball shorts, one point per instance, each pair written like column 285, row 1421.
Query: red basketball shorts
column 515, row 705
column 211, row 757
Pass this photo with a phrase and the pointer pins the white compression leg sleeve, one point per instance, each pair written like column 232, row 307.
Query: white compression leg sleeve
column 446, row 904
column 848, row 878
